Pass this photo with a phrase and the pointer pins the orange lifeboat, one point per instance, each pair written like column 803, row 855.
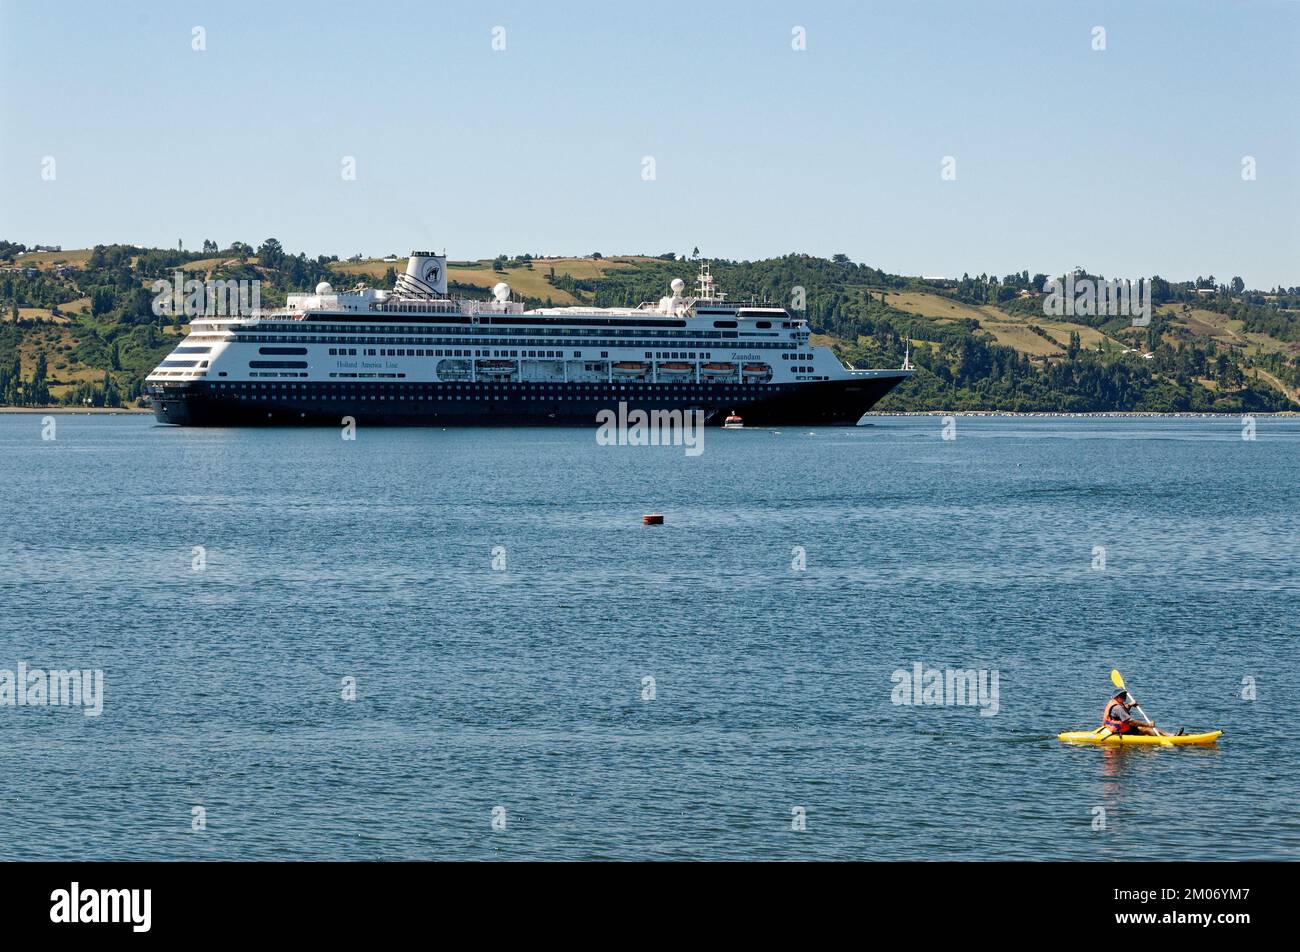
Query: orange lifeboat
column 631, row 367
column 716, row 369
column 733, row 422
column 671, row 368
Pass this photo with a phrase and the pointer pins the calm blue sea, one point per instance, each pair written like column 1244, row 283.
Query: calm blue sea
column 1046, row 551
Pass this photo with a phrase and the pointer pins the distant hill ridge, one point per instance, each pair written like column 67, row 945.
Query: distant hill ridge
column 77, row 326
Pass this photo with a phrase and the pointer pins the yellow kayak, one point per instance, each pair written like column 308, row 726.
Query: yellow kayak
column 1095, row 737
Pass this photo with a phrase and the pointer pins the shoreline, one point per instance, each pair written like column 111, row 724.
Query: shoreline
column 1099, row 414
column 87, row 411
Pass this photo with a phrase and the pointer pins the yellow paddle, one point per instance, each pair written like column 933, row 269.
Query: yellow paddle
column 1117, row 679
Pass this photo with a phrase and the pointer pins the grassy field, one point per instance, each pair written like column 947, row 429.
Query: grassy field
column 937, row 306
column 56, row 342
column 1089, row 337
column 46, row 260
column 1010, row 330
column 530, row 282
column 1022, row 338
column 71, row 309
column 1218, row 327
column 480, row 274
column 207, row 264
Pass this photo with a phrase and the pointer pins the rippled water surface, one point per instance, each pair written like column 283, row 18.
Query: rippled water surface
column 523, row 689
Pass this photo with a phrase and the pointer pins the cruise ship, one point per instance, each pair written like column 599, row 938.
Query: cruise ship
column 417, row 356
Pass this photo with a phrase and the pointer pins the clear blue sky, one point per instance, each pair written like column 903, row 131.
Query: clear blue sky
column 1126, row 161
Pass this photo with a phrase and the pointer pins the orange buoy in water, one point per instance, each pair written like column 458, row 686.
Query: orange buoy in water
column 653, row 519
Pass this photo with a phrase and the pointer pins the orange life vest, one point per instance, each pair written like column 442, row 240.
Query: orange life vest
column 1114, row 724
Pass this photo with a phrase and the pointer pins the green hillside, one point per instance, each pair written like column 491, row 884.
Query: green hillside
column 78, row 327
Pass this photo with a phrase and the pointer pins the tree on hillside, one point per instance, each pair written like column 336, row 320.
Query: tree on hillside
column 1161, row 293
column 1153, row 336
column 271, row 254
column 101, row 301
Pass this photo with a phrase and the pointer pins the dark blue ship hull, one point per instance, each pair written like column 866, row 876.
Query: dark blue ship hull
column 400, row 403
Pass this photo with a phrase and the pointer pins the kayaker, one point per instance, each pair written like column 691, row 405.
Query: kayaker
column 1115, row 718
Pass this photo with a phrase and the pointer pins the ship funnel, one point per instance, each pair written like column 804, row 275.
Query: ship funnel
column 426, row 275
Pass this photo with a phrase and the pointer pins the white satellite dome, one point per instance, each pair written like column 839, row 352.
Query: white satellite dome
column 324, row 288
column 501, row 291
column 677, row 284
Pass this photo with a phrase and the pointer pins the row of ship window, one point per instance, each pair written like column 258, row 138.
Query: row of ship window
column 299, row 335
column 479, row 342
column 544, row 354
column 492, row 330
column 344, row 375
column 566, row 328
column 421, row 352
column 436, row 396
column 497, row 388
column 402, row 376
